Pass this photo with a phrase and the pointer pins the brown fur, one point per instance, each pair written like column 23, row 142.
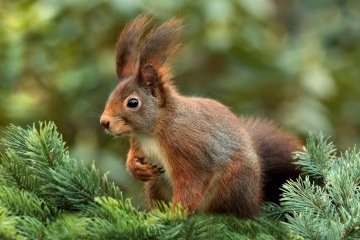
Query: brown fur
column 193, row 151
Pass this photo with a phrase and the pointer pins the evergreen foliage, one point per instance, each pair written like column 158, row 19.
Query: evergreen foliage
column 45, row 194
column 325, row 204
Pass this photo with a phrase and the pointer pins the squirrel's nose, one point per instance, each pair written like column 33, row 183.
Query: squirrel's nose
column 105, row 122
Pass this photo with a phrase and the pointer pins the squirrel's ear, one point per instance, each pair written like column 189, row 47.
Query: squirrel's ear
column 149, row 78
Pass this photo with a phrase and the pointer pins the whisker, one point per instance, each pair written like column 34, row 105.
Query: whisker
column 95, row 111
column 94, row 114
column 103, row 93
column 85, row 103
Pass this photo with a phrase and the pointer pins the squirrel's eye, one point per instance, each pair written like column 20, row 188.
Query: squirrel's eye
column 133, row 103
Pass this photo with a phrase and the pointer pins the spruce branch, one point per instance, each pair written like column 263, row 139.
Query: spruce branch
column 7, row 225
column 318, row 153
column 20, row 202
column 304, row 224
column 41, row 154
column 45, row 194
column 74, row 186
column 68, row 227
column 272, row 211
column 326, row 203
column 120, row 217
column 42, row 147
column 303, row 195
column 343, row 179
column 31, row 228
column 15, row 173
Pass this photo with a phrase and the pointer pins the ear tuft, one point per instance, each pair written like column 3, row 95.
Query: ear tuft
column 161, row 43
column 127, row 55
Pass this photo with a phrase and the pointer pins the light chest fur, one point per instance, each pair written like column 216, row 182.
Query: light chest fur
column 150, row 146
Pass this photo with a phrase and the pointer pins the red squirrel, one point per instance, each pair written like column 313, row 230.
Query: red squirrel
column 189, row 150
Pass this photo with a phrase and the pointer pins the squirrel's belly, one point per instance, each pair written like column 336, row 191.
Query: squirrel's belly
column 154, row 154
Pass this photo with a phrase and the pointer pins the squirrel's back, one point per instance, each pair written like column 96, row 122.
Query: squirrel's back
column 207, row 129
column 275, row 148
column 222, row 131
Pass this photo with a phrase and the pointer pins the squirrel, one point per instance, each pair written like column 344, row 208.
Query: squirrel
column 190, row 151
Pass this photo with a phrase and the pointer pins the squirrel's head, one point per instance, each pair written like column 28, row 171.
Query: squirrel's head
column 143, row 93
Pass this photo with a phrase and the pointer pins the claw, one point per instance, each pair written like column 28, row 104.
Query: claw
column 140, row 159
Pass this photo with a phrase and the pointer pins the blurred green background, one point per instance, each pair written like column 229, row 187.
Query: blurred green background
column 296, row 62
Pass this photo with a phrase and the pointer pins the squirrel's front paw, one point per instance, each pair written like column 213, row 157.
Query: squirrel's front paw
column 144, row 171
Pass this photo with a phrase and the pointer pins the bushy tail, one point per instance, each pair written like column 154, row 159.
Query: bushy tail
column 275, row 148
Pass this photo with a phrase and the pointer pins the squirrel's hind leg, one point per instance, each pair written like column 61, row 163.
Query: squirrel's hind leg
column 238, row 191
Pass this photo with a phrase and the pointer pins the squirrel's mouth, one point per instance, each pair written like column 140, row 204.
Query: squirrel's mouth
column 118, row 129
column 118, row 134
